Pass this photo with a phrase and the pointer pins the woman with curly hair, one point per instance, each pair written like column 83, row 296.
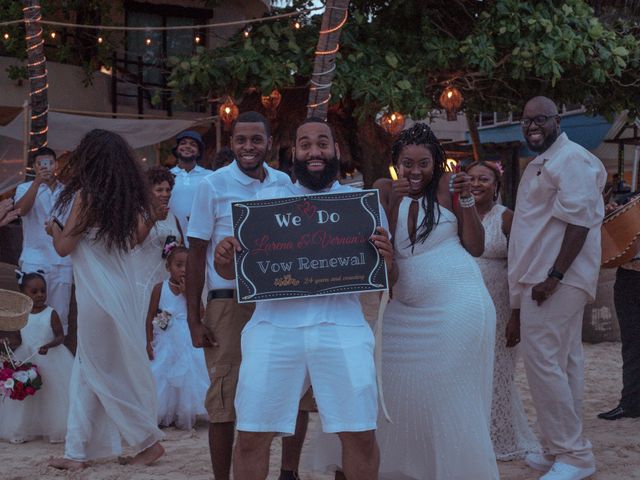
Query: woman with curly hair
column 112, row 390
column 149, row 258
column 438, row 330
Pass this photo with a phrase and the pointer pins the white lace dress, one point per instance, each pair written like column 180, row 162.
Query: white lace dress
column 510, row 431
column 437, row 358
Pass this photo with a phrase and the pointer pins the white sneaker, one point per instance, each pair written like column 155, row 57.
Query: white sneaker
column 564, row 471
column 538, row 461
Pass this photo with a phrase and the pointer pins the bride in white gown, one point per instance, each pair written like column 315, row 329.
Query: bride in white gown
column 112, row 393
column 438, row 330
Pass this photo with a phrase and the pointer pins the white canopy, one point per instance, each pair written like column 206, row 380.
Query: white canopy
column 66, row 131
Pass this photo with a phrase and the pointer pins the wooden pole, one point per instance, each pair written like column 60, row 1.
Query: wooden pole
column 37, row 69
column 333, row 19
column 475, row 135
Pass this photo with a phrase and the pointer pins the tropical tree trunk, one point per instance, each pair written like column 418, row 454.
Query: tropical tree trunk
column 475, row 135
column 333, row 19
column 37, row 68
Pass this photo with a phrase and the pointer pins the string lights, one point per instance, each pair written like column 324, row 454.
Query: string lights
column 36, row 66
column 326, row 49
column 6, row 36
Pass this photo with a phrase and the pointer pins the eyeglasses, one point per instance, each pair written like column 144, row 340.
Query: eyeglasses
column 539, row 120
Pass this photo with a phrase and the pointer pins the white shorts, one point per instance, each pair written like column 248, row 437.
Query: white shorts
column 279, row 363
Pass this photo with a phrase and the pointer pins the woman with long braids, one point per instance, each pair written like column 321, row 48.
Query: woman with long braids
column 438, row 330
column 112, row 393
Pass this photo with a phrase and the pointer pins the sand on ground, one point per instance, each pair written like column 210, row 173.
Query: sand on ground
column 616, row 444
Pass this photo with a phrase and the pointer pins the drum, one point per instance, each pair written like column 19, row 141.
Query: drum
column 621, row 234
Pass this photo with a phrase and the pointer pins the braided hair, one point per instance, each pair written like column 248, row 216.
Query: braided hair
column 421, row 134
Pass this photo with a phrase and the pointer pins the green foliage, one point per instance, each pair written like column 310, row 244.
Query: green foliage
column 17, row 72
column 400, row 55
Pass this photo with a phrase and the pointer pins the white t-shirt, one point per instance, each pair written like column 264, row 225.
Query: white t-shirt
column 184, row 190
column 37, row 246
column 343, row 309
column 211, row 214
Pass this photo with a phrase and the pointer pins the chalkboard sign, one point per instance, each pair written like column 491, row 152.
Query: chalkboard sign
column 308, row 245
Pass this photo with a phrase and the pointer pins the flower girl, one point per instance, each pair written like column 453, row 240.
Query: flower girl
column 43, row 414
column 178, row 368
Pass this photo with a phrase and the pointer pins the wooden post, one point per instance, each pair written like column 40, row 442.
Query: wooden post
column 475, row 135
column 333, row 19
column 114, row 84
column 140, row 81
column 37, row 69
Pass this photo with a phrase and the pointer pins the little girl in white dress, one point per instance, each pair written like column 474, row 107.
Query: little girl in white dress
column 178, row 368
column 43, row 414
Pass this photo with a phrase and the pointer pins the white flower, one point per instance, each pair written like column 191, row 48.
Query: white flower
column 21, row 376
column 9, row 383
column 33, row 374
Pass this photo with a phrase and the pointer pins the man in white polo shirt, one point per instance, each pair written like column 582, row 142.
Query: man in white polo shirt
column 36, row 200
column 210, row 222
column 189, row 150
column 324, row 340
column 554, row 263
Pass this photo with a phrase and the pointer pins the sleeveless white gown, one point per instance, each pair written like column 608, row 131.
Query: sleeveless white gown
column 510, row 431
column 437, row 361
column 178, row 368
column 112, row 391
column 45, row 413
column 147, row 263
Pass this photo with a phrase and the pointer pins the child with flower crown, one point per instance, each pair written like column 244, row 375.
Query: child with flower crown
column 43, row 414
column 178, row 368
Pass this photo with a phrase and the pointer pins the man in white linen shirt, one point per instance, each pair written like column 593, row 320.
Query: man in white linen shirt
column 188, row 151
column 36, row 200
column 219, row 331
column 554, row 262
column 324, row 340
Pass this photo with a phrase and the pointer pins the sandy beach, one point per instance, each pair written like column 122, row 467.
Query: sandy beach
column 616, row 444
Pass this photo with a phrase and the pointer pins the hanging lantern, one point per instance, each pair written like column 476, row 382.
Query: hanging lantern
column 228, row 112
column 451, row 100
column 271, row 102
column 393, row 123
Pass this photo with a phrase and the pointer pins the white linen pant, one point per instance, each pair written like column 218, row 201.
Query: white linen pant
column 59, row 280
column 552, row 351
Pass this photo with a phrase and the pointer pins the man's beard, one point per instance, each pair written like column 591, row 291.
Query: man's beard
column 183, row 159
column 320, row 180
column 252, row 168
column 548, row 141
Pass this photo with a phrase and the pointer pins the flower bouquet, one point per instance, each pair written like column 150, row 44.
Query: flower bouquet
column 19, row 381
column 161, row 320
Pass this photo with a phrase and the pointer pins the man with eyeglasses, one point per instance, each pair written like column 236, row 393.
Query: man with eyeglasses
column 554, row 262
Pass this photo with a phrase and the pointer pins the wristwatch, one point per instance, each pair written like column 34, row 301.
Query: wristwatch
column 555, row 273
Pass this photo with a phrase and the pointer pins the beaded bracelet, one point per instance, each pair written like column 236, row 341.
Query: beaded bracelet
column 467, row 202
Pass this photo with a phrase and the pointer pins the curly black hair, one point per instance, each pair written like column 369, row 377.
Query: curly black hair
column 421, row 134
column 108, row 179
column 158, row 174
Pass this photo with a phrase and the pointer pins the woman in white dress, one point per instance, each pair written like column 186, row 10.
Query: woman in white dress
column 510, row 431
column 149, row 257
column 112, row 393
column 438, row 330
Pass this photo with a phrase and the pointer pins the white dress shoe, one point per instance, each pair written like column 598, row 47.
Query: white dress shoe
column 564, row 471
column 538, row 461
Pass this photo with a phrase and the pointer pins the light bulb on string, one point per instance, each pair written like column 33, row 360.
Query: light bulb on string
column 100, row 40
column 147, row 41
column 197, row 39
column 6, row 36
column 247, row 32
column 53, row 35
column 297, row 25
